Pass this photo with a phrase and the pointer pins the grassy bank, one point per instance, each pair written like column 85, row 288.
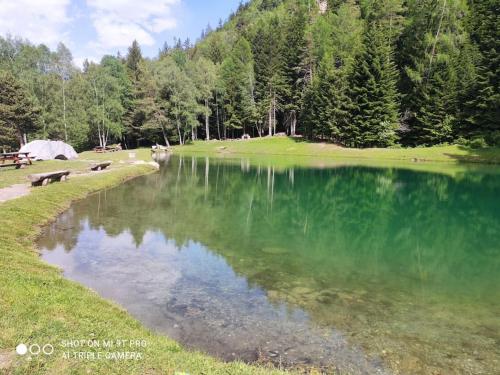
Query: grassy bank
column 39, row 306
column 10, row 176
column 299, row 148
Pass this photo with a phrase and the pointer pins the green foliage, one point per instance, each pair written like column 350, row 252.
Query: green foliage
column 134, row 57
column 375, row 112
column 359, row 73
column 17, row 113
column 269, row 68
column 108, row 90
column 434, row 51
column 237, row 75
column 483, row 106
column 327, row 105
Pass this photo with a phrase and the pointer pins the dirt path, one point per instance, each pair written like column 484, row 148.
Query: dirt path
column 13, row 192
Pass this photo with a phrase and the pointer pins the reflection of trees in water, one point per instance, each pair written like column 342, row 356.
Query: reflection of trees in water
column 381, row 221
column 363, row 249
column 64, row 231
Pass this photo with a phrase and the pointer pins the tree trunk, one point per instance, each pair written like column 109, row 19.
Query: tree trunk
column 270, row 122
column 274, row 114
column 178, row 129
column 104, row 135
column 217, row 115
column 97, row 108
column 167, row 143
column 293, row 125
column 64, row 111
column 433, row 52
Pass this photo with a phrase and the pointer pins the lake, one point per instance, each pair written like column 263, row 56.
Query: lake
column 358, row 269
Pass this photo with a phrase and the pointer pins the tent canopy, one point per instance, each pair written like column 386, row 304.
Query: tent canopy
column 49, row 150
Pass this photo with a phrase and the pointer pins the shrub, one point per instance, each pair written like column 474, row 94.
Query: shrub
column 494, row 138
column 478, row 143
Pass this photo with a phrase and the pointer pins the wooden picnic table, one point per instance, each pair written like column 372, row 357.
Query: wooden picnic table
column 17, row 159
column 100, row 149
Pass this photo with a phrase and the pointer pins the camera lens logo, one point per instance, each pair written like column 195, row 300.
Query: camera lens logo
column 34, row 349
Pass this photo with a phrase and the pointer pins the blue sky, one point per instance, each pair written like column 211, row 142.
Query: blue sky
column 92, row 28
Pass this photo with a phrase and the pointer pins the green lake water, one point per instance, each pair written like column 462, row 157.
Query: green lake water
column 350, row 268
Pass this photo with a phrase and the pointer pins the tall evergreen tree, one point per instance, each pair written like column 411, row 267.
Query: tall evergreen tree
column 133, row 59
column 133, row 114
column 483, row 105
column 18, row 117
column 270, row 81
column 237, row 73
column 204, row 74
column 293, row 45
column 64, row 68
column 430, row 54
column 374, row 93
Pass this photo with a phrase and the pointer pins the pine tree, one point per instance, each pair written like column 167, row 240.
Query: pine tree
column 237, row 73
column 134, row 57
column 310, row 110
column 431, row 51
column 152, row 110
column 64, row 68
column 483, row 106
column 338, row 106
column 18, row 117
column 133, row 114
column 293, row 45
column 204, row 75
column 269, row 67
column 374, row 93
column 327, row 106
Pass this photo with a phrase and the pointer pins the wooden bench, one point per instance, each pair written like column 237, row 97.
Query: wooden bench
column 42, row 179
column 100, row 166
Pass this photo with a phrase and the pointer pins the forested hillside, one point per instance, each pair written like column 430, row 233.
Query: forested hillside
column 360, row 73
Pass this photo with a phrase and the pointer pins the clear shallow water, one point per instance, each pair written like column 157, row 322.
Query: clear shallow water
column 359, row 269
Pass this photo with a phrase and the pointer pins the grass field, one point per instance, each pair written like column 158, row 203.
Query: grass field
column 39, row 306
column 297, row 148
column 10, row 176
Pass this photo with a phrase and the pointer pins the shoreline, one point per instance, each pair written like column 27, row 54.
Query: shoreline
column 293, row 148
column 39, row 305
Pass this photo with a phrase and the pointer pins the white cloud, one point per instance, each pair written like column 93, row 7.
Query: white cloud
column 119, row 22
column 38, row 21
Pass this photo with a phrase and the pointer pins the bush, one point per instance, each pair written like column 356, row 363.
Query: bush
column 461, row 141
column 478, row 143
column 494, row 138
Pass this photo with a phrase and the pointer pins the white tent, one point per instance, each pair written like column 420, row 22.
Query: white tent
column 49, row 150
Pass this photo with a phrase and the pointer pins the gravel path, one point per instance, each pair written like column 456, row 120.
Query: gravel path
column 13, row 192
